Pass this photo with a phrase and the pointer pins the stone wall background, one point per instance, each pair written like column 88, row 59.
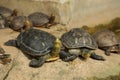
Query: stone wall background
column 80, row 12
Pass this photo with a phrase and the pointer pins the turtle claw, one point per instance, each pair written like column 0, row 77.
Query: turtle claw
column 107, row 53
column 37, row 62
column 67, row 57
column 97, row 57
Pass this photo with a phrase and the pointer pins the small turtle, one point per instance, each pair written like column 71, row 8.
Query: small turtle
column 107, row 40
column 40, row 19
column 40, row 45
column 78, row 42
column 19, row 23
column 6, row 12
column 4, row 58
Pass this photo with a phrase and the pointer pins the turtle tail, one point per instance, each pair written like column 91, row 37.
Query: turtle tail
column 11, row 43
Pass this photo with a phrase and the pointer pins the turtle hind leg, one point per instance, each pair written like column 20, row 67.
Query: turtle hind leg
column 97, row 57
column 107, row 52
column 37, row 62
column 47, row 25
column 11, row 43
column 65, row 56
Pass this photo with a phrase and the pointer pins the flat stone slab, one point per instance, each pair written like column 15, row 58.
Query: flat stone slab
column 57, row 70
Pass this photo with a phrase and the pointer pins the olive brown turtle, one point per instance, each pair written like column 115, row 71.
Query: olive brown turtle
column 78, row 42
column 107, row 41
column 40, row 19
column 7, row 15
column 20, row 23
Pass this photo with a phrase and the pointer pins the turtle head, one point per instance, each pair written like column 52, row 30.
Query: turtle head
column 85, row 53
column 28, row 24
column 52, row 15
column 52, row 18
column 57, row 47
column 15, row 12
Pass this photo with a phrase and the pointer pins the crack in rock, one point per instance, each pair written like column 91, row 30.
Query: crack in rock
column 12, row 66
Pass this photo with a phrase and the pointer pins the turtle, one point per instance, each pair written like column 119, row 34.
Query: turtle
column 4, row 58
column 8, row 14
column 107, row 41
column 78, row 42
column 40, row 19
column 19, row 23
column 39, row 45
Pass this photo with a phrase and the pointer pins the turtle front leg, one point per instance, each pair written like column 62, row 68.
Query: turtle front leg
column 107, row 52
column 97, row 57
column 65, row 56
column 37, row 62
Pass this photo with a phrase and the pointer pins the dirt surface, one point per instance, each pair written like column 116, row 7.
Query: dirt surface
column 18, row 69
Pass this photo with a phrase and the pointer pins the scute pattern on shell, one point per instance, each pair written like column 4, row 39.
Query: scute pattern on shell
column 36, row 42
column 77, row 38
column 106, row 38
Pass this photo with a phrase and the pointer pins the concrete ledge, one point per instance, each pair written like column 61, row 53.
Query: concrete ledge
column 86, row 12
column 80, row 11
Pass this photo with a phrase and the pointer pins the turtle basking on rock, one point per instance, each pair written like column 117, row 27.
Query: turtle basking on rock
column 107, row 41
column 20, row 23
column 7, row 14
column 40, row 19
column 78, row 42
column 40, row 45
column 4, row 58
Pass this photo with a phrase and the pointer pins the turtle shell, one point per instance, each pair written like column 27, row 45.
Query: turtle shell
column 35, row 42
column 18, row 22
column 106, row 38
column 78, row 38
column 38, row 18
column 6, row 12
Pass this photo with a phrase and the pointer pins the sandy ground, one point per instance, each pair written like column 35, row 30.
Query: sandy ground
column 58, row 70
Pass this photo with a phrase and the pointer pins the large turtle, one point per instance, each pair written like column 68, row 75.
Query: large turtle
column 40, row 45
column 78, row 42
column 107, row 40
column 4, row 58
column 40, row 19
